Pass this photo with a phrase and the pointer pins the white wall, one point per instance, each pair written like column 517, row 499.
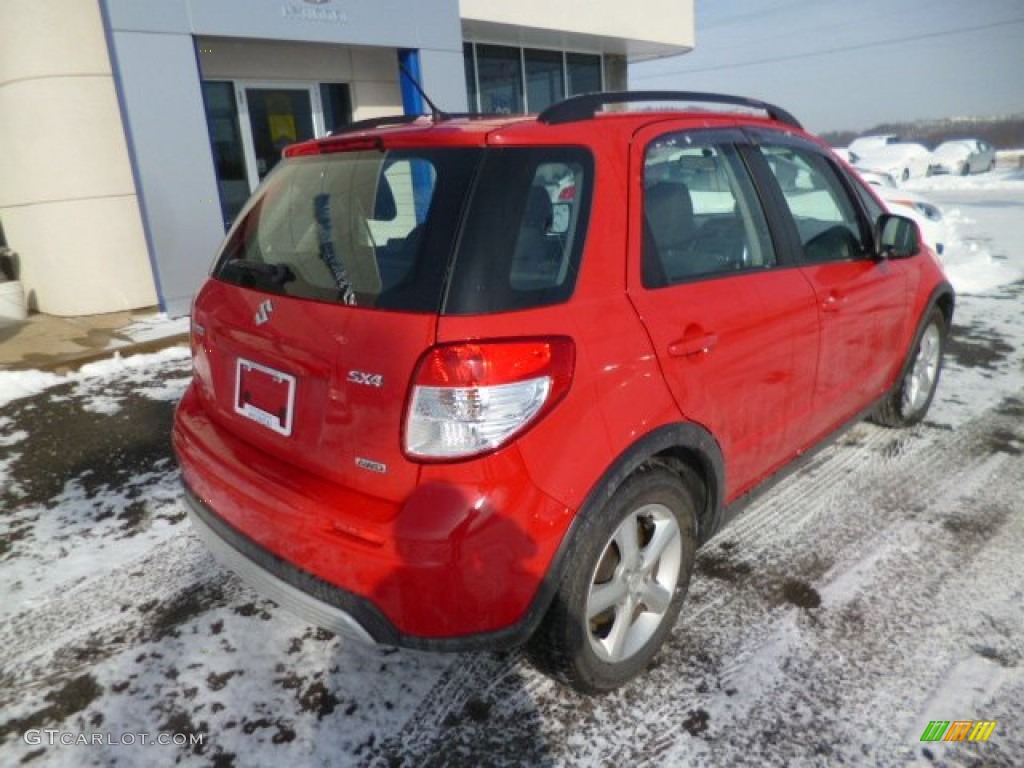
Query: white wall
column 67, row 196
column 158, row 73
column 637, row 30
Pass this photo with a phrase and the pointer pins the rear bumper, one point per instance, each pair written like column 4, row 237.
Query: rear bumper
column 464, row 563
column 332, row 609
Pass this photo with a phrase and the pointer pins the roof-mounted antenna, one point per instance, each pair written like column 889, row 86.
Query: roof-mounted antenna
column 436, row 113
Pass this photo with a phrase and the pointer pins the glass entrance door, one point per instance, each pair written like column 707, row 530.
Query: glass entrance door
column 273, row 118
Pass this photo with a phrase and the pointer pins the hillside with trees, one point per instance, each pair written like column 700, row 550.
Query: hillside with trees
column 1000, row 132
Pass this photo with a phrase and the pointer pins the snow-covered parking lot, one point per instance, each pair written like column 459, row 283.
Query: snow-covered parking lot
column 875, row 590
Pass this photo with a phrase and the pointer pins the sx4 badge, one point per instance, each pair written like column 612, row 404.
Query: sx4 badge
column 366, row 379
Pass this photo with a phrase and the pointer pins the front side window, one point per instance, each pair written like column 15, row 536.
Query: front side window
column 701, row 214
column 367, row 228
column 826, row 218
column 867, row 200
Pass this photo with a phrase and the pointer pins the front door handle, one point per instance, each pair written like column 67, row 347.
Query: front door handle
column 691, row 344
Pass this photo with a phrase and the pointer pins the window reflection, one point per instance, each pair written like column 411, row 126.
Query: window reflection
column 226, row 143
column 545, row 79
column 501, row 79
column 508, row 80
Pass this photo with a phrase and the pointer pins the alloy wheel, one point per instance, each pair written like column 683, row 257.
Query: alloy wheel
column 921, row 377
column 634, row 582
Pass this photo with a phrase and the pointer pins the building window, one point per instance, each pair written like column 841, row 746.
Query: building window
column 336, row 102
column 584, row 73
column 500, row 73
column 545, row 79
column 471, row 88
column 226, row 143
column 506, row 80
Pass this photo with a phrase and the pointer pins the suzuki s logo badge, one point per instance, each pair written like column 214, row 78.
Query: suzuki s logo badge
column 263, row 312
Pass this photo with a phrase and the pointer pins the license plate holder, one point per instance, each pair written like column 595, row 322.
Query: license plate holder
column 265, row 395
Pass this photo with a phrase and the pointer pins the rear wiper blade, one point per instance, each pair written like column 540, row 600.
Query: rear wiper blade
column 325, row 233
column 276, row 274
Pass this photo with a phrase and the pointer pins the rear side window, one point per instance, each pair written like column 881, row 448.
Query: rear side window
column 369, row 228
column 702, row 216
column 524, row 229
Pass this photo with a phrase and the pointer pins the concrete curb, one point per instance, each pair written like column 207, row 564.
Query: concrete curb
column 73, row 361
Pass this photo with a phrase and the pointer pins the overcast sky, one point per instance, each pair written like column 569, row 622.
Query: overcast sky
column 851, row 64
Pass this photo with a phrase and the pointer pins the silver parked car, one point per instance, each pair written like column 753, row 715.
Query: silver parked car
column 963, row 157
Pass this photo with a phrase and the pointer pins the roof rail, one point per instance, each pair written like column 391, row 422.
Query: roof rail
column 586, row 106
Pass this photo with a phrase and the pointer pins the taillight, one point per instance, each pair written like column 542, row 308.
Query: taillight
column 473, row 397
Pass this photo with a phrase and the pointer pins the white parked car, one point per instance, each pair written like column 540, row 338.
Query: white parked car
column 866, row 144
column 844, row 153
column 901, row 160
column 962, row 157
column 906, row 203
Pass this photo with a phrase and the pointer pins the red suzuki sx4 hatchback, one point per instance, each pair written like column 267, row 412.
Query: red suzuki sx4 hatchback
column 472, row 382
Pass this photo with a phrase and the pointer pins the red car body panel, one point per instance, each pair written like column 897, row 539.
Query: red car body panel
column 449, row 560
column 763, row 363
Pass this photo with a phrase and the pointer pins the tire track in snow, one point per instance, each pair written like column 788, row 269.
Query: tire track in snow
column 753, row 672
column 117, row 608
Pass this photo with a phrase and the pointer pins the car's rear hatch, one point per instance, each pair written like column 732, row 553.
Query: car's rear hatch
column 324, row 298
column 329, row 287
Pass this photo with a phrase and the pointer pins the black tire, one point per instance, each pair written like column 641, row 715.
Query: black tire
column 909, row 400
column 601, row 653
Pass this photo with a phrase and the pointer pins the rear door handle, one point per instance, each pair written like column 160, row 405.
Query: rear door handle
column 691, row 345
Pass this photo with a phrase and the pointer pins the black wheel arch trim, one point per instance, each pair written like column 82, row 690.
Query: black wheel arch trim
column 942, row 291
column 687, row 436
column 662, row 441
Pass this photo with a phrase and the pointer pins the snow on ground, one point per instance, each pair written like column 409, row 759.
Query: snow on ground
column 156, row 326
column 974, row 262
column 985, row 263
column 873, row 591
column 91, row 377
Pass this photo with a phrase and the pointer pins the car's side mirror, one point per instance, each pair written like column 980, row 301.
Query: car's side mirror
column 896, row 237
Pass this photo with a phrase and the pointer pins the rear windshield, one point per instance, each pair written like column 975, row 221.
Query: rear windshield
column 380, row 229
column 371, row 228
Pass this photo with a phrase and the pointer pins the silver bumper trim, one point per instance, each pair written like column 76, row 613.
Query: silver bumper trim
column 294, row 600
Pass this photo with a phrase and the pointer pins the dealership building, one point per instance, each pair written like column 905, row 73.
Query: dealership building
column 133, row 130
